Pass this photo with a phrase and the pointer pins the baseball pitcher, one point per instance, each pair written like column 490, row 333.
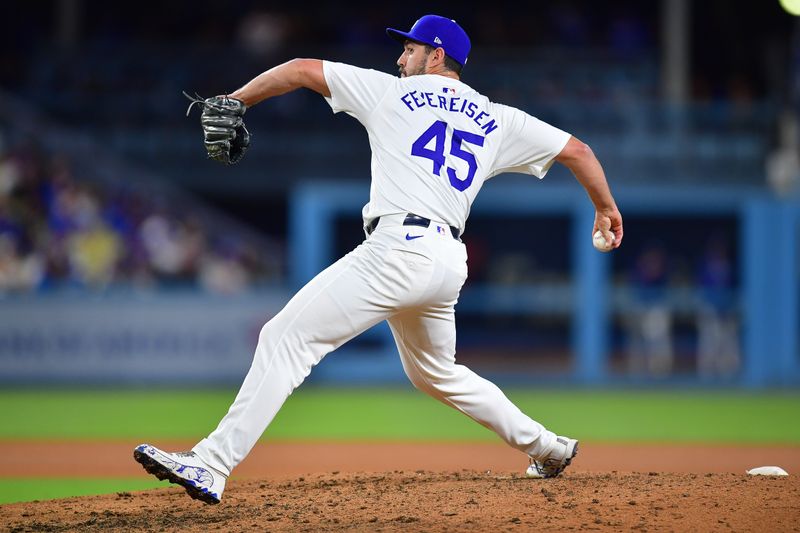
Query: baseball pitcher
column 434, row 141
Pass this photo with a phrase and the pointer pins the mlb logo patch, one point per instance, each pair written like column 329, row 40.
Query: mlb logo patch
column 447, row 90
column 440, row 230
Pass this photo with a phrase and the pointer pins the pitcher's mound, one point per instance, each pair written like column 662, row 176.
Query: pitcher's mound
column 439, row 501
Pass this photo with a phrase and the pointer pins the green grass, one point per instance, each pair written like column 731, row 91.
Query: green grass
column 403, row 414
column 28, row 489
column 372, row 414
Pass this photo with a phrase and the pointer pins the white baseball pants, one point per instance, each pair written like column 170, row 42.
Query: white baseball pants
column 414, row 283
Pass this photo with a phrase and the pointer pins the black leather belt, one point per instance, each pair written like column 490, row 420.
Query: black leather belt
column 413, row 220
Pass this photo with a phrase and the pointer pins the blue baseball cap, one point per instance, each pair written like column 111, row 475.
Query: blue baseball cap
column 439, row 32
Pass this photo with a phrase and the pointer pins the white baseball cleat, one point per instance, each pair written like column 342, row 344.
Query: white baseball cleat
column 185, row 469
column 556, row 461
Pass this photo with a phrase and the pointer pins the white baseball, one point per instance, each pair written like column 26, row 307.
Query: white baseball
column 600, row 242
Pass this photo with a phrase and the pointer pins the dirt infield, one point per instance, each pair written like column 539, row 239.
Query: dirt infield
column 424, row 487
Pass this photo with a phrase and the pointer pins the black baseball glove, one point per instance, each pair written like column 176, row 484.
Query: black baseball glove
column 226, row 137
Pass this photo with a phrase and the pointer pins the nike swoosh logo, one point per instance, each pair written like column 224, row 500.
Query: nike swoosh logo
column 412, row 237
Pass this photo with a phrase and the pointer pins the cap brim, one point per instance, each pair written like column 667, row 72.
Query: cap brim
column 400, row 36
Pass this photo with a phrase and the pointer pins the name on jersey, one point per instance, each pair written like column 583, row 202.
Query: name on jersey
column 415, row 99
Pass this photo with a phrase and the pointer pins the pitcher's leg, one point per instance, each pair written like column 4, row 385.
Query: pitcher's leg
column 332, row 308
column 426, row 341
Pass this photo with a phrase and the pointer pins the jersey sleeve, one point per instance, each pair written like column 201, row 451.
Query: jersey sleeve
column 356, row 91
column 529, row 145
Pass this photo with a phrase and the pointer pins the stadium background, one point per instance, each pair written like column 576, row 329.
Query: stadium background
column 135, row 275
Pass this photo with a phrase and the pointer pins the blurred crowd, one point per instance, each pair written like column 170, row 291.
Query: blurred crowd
column 723, row 67
column 116, row 72
column 59, row 231
column 665, row 288
column 590, row 68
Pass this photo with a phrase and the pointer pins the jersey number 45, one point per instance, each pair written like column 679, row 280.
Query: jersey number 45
column 438, row 133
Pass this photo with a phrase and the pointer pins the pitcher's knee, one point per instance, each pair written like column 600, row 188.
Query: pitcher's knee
column 439, row 385
column 275, row 329
column 420, row 383
column 268, row 331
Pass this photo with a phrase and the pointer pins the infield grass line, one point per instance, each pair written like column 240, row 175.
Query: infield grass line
column 315, row 413
column 14, row 490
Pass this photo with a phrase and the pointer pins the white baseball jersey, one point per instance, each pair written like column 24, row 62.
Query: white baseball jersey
column 435, row 140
